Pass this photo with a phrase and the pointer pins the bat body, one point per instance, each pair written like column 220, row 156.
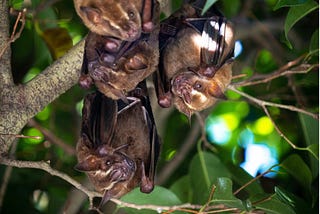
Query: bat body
column 119, row 145
column 122, row 19
column 116, row 66
column 195, row 59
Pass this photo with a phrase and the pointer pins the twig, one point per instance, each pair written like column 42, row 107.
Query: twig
column 14, row 36
column 253, row 180
column 169, row 168
column 53, row 138
column 284, row 70
column 7, row 175
column 45, row 166
column 266, row 103
column 156, row 207
column 22, row 136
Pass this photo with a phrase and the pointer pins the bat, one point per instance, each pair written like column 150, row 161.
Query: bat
column 122, row 19
column 116, row 66
column 195, row 59
column 119, row 145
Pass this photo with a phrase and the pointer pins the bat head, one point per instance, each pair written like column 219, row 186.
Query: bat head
column 120, row 19
column 107, row 167
column 193, row 92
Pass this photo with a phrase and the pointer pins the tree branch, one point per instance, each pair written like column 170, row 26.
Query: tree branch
column 20, row 103
column 6, row 79
column 266, row 103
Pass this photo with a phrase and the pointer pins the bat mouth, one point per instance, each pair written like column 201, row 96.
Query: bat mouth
column 182, row 86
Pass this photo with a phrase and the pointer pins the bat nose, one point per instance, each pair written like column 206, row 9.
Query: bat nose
column 133, row 33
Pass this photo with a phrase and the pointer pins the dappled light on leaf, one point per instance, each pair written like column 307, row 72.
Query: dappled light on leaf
column 263, row 126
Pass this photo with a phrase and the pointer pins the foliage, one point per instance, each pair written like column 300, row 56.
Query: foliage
column 209, row 175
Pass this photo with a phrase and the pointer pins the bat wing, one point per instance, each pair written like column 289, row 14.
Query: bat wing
column 99, row 119
column 216, row 39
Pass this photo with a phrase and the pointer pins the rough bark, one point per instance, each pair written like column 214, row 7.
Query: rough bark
column 19, row 103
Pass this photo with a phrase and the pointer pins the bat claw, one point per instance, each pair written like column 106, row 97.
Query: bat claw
column 147, row 184
column 85, row 81
column 165, row 101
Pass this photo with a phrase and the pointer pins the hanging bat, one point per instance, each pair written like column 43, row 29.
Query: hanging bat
column 116, row 66
column 119, row 144
column 195, row 59
column 122, row 19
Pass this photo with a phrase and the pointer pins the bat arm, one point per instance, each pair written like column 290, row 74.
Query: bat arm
column 164, row 97
column 147, row 183
column 147, row 24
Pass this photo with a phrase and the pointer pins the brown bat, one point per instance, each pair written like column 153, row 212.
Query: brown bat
column 119, row 144
column 122, row 19
column 116, row 66
column 195, row 59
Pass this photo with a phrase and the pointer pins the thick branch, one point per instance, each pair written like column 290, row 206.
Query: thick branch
column 5, row 68
column 20, row 103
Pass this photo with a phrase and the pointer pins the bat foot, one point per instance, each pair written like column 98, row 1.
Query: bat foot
column 108, row 59
column 85, row 81
column 147, row 184
column 112, row 45
column 165, row 100
column 137, row 62
column 148, row 27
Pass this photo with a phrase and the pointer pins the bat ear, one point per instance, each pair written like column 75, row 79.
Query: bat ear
column 88, row 165
column 92, row 14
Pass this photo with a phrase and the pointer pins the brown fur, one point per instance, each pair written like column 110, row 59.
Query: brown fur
column 117, row 18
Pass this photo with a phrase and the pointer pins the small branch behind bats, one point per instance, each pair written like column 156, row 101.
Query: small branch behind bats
column 53, row 138
column 263, row 104
column 266, row 103
column 22, row 136
column 15, row 35
column 169, row 168
column 292, row 67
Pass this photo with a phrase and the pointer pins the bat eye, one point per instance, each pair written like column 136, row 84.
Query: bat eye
column 108, row 163
column 131, row 14
column 197, row 86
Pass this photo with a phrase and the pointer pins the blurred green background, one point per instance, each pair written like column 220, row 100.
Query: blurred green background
column 236, row 141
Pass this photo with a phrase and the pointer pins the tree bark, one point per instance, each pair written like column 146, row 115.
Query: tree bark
column 19, row 103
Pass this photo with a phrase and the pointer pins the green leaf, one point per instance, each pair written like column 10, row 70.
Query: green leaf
column 314, row 42
column 231, row 8
column 58, row 41
column 273, row 205
column 204, row 169
column 208, row 4
column 310, row 128
column 223, row 194
column 299, row 205
column 314, row 150
column 16, row 4
column 296, row 167
column 182, row 188
column 159, row 196
column 288, row 3
column 295, row 14
column 241, row 177
column 265, row 62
